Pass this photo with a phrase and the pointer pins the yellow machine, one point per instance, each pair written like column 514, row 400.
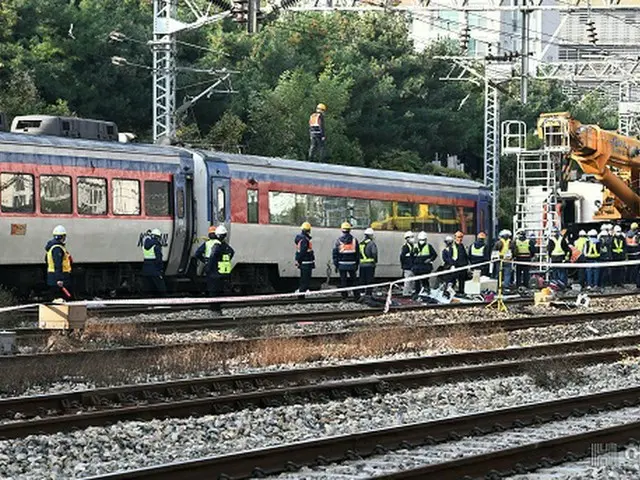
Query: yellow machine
column 613, row 159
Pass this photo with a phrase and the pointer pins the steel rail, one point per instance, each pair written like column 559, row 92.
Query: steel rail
column 290, row 457
column 176, row 399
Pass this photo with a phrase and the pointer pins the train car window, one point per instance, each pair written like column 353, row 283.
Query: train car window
column 252, row 206
column 222, row 205
column 310, row 208
column 381, row 215
column 28, row 124
column 336, row 211
column 17, row 193
column 426, row 218
column 180, row 200
column 448, row 221
column 358, row 212
column 157, row 198
column 469, row 215
column 55, row 194
column 282, row 208
column 126, row 196
column 405, row 215
column 66, row 126
column 92, row 196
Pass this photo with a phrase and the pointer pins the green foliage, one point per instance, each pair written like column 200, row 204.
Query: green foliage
column 227, row 133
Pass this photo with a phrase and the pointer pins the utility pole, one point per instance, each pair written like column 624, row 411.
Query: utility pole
column 524, row 53
column 254, row 11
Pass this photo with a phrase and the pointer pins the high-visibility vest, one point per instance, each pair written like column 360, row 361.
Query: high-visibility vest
column 477, row 251
column 208, row 247
column 580, row 243
column 224, row 264
column 66, row 259
column 411, row 250
column 309, row 250
column 454, row 252
column 363, row 255
column 425, row 251
column 523, row 247
column 506, row 248
column 618, row 245
column 347, row 247
column 149, row 253
column 557, row 247
column 314, row 120
column 592, row 251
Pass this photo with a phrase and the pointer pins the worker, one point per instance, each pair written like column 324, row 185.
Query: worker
column 618, row 254
column 606, row 237
column 449, row 257
column 204, row 250
column 479, row 252
column 58, row 265
column 368, row 259
column 558, row 250
column 592, row 252
column 525, row 249
column 425, row 254
column 346, row 259
column 407, row 254
column 462, row 260
column 152, row 266
column 503, row 249
column 578, row 246
column 305, row 257
column 219, row 266
column 633, row 253
column 317, row 134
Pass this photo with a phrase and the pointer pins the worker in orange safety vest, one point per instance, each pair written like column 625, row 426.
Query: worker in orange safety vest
column 317, row 135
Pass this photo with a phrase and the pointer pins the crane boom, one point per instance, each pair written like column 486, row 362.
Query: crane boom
column 613, row 159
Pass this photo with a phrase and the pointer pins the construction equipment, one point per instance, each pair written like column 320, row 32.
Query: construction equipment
column 612, row 159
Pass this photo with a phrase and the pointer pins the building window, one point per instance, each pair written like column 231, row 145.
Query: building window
column 17, row 193
column 55, row 194
column 92, row 196
column 252, row 206
column 126, row 196
column 157, row 198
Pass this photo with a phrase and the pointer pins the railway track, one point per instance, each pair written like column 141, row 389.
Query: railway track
column 222, row 394
column 291, row 457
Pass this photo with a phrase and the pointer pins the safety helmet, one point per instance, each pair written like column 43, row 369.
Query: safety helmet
column 306, row 226
column 59, row 231
column 482, row 235
column 422, row 236
column 504, row 233
column 555, row 230
column 408, row 234
column 448, row 239
column 634, row 226
column 617, row 229
column 212, row 229
column 582, row 233
column 221, row 230
column 156, row 232
column 603, row 227
column 346, row 226
column 321, row 107
column 369, row 232
column 593, row 232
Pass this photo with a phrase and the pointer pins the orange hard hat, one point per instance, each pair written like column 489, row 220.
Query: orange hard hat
column 212, row 229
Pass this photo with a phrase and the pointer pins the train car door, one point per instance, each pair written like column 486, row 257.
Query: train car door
column 483, row 219
column 220, row 202
column 180, row 252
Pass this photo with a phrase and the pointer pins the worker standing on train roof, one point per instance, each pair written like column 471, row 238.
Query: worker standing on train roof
column 503, row 249
column 368, row 259
column 219, row 266
column 606, row 237
column 462, row 260
column 525, row 249
column 633, row 253
column 317, row 134
column 558, row 249
column 305, row 258
column 59, row 265
column 152, row 266
column 407, row 254
column 204, row 250
column 592, row 252
column 425, row 254
column 618, row 254
column 479, row 252
column 346, row 259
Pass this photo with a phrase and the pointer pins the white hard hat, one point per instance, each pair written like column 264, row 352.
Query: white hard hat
column 156, row 232
column 603, row 226
column 369, row 231
column 422, row 236
column 617, row 229
column 448, row 239
column 592, row 232
column 505, row 233
column 582, row 233
column 408, row 234
column 221, row 230
column 59, row 230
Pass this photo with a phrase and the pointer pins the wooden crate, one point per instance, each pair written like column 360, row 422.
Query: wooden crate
column 62, row 317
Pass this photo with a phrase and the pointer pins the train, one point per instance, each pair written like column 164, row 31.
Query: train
column 109, row 195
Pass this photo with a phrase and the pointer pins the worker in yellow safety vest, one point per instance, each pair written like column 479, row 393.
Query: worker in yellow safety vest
column 479, row 252
column 618, row 254
column 219, row 266
column 578, row 247
column 633, row 253
column 503, row 250
column 423, row 259
column 305, row 257
column 153, row 265
column 204, row 250
column 558, row 250
column 58, row 265
column 317, row 134
column 592, row 251
column 368, row 260
column 525, row 249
